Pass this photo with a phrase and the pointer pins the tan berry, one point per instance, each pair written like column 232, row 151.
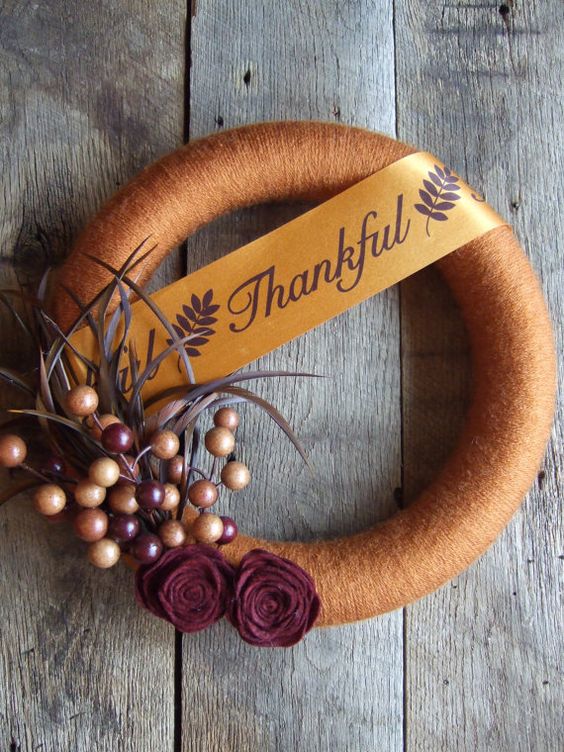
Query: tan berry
column 104, row 472
column 13, row 450
column 207, row 528
column 104, row 553
column 49, row 499
column 220, row 441
column 227, row 417
column 122, row 500
column 165, row 444
column 172, row 533
column 81, row 401
column 235, row 476
column 171, row 499
column 88, row 494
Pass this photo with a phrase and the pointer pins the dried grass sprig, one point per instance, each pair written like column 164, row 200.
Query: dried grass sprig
column 178, row 409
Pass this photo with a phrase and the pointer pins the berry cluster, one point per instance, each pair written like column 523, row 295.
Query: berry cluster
column 132, row 497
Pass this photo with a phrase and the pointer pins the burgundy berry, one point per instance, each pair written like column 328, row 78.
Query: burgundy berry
column 53, row 466
column 117, row 438
column 150, row 494
column 230, row 531
column 147, row 548
column 124, row 527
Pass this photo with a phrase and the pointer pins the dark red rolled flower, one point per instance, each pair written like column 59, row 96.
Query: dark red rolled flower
column 275, row 601
column 190, row 587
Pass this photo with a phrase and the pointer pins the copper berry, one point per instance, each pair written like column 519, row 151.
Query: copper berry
column 203, row 493
column 49, row 499
column 226, row 417
column 207, row 528
column 91, row 524
column 219, row 441
column 13, row 450
column 174, row 469
column 235, row 476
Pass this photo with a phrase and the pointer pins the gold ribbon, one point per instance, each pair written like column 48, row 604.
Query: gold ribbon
column 371, row 236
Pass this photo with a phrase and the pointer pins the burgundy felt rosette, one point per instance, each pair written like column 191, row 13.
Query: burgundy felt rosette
column 275, row 602
column 271, row 601
column 190, row 587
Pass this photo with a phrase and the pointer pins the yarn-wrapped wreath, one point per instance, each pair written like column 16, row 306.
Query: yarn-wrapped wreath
column 502, row 444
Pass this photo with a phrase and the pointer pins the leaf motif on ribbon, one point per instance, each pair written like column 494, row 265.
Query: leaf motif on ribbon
column 438, row 195
column 196, row 320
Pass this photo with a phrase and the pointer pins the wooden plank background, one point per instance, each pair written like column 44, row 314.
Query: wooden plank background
column 91, row 92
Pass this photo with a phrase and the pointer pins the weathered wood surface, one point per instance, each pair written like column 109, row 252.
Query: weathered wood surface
column 483, row 655
column 89, row 95
column 263, row 61
column 89, row 92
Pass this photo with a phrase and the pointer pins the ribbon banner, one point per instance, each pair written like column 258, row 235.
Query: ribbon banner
column 251, row 301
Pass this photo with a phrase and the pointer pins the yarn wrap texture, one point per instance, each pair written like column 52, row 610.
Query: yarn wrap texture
column 502, row 444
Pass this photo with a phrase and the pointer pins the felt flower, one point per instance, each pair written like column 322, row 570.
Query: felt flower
column 275, row 601
column 190, row 587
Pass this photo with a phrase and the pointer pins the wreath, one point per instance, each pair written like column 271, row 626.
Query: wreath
column 128, row 473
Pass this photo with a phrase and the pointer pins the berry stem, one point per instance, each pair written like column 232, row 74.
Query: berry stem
column 35, row 472
column 213, row 469
column 190, row 468
column 129, row 469
column 96, row 420
column 141, row 454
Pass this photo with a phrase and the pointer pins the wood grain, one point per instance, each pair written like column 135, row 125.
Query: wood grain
column 91, row 92
column 261, row 61
column 483, row 653
column 88, row 94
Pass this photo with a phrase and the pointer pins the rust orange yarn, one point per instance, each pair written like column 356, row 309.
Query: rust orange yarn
column 499, row 452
